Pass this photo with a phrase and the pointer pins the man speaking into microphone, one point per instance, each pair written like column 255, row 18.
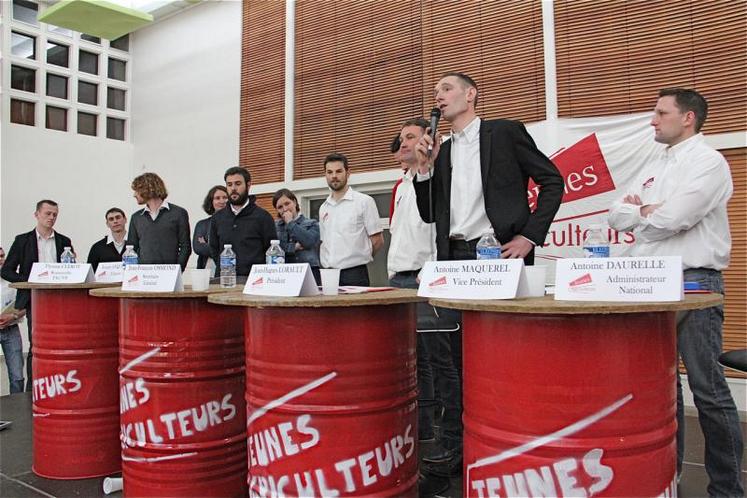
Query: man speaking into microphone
column 476, row 183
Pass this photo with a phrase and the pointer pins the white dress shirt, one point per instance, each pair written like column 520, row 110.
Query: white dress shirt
column 413, row 240
column 345, row 227
column 47, row 248
column 164, row 205
column 117, row 246
column 693, row 183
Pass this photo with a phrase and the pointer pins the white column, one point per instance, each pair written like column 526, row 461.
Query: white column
column 551, row 80
column 290, row 77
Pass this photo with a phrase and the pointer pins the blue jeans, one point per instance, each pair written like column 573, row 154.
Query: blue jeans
column 426, row 396
column 10, row 338
column 699, row 346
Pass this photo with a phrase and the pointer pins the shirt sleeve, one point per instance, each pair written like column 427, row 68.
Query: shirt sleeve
column 371, row 217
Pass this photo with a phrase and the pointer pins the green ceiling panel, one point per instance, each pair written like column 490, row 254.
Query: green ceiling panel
column 95, row 17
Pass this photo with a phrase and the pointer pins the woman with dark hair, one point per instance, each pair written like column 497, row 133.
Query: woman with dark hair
column 215, row 200
column 298, row 235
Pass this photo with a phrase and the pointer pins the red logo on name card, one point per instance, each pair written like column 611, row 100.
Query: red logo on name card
column 101, row 274
column 582, row 284
column 582, row 280
column 438, row 282
column 133, row 279
column 259, row 282
column 44, row 274
column 584, row 169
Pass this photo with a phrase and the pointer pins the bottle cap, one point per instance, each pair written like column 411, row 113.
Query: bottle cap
column 129, row 247
column 67, row 248
column 274, row 241
column 227, row 246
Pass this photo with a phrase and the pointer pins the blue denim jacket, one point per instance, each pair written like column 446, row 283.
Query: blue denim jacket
column 305, row 231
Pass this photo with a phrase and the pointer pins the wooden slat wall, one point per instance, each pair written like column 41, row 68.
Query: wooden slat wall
column 261, row 126
column 357, row 78
column 613, row 56
column 735, row 280
column 498, row 43
column 265, row 202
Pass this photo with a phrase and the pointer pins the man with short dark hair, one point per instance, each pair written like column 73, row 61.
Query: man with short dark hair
column 160, row 231
column 112, row 246
column 43, row 245
column 678, row 206
column 349, row 225
column 243, row 224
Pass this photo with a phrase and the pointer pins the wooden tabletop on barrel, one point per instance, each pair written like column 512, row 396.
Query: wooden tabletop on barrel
column 84, row 285
column 378, row 298
column 186, row 293
column 548, row 305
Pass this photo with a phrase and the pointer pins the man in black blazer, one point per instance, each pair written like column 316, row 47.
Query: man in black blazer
column 474, row 183
column 112, row 246
column 42, row 244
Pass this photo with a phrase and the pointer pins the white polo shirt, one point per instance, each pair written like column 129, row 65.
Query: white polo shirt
column 413, row 240
column 345, row 228
column 46, row 247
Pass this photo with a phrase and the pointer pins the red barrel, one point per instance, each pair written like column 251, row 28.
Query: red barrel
column 183, row 423
column 331, row 401
column 76, row 416
column 569, row 405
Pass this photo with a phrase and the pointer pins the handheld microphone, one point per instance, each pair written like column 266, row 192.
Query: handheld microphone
column 435, row 116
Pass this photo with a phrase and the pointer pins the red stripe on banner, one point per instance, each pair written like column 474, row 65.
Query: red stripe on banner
column 580, row 216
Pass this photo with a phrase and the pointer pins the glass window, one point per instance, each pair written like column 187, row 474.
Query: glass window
column 25, row 11
column 88, row 93
column 115, row 128
column 21, row 112
column 88, row 62
column 87, row 123
column 60, row 31
column 56, row 86
column 89, row 38
column 115, row 98
column 58, row 54
column 23, row 78
column 121, row 43
column 117, row 69
column 22, row 45
column 56, row 118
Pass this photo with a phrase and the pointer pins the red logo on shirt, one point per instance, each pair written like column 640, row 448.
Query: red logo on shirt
column 648, row 183
column 584, row 169
column 438, row 282
column 326, row 215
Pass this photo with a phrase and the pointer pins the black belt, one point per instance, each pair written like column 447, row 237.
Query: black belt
column 408, row 273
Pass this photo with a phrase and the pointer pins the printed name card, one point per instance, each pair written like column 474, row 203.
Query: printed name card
column 152, row 278
column 289, row 280
column 60, row 273
column 619, row 279
column 473, row 279
column 109, row 272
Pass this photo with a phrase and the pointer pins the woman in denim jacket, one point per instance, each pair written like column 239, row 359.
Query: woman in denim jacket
column 298, row 235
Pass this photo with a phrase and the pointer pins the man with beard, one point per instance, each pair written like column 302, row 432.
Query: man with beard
column 246, row 226
column 349, row 224
column 111, row 247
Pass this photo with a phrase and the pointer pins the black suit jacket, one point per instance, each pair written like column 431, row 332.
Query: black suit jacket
column 101, row 252
column 22, row 256
column 508, row 158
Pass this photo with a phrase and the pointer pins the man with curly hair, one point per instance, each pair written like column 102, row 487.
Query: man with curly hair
column 160, row 231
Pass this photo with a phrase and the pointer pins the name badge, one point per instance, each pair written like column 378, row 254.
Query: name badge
column 152, row 278
column 109, row 272
column 60, row 273
column 289, row 280
column 619, row 279
column 473, row 279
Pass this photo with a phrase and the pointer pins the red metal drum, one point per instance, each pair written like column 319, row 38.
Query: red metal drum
column 331, row 401
column 183, row 424
column 569, row 405
column 75, row 395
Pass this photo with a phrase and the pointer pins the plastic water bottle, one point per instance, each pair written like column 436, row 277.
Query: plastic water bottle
column 129, row 257
column 275, row 254
column 488, row 247
column 595, row 243
column 227, row 267
column 67, row 256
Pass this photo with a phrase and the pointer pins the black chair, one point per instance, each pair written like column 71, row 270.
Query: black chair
column 736, row 360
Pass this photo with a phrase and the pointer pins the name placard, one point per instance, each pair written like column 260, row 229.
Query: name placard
column 639, row 279
column 110, row 272
column 294, row 279
column 60, row 273
column 472, row 279
column 152, row 278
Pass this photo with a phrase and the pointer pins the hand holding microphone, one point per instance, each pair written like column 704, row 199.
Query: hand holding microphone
column 427, row 148
column 433, row 128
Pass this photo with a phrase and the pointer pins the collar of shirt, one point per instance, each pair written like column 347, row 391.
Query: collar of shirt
column 164, row 205
column 238, row 210
column 42, row 238
column 110, row 239
column 469, row 134
column 682, row 149
column 347, row 197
